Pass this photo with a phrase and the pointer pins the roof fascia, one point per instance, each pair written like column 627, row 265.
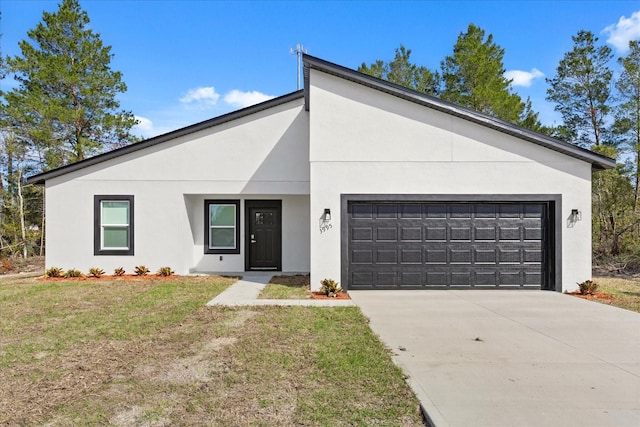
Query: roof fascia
column 216, row 121
column 598, row 161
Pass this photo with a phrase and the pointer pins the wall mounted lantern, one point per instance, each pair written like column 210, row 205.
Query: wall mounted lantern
column 576, row 215
column 327, row 214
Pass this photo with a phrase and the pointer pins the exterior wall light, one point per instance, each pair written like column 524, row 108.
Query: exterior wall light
column 576, row 215
column 327, row 214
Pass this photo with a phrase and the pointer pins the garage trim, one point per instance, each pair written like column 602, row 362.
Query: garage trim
column 555, row 218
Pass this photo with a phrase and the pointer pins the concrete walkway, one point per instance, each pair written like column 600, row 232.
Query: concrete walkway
column 245, row 292
column 512, row 358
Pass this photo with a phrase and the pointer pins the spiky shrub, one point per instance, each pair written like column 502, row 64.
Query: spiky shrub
column 118, row 271
column 588, row 287
column 141, row 270
column 54, row 272
column 165, row 272
column 72, row 272
column 96, row 272
column 330, row 287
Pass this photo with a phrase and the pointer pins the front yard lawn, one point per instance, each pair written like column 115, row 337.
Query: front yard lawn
column 625, row 292
column 151, row 353
column 287, row 287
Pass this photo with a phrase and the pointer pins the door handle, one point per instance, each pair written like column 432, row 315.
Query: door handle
column 253, row 241
column 253, row 238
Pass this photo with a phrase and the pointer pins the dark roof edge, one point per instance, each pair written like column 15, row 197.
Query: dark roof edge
column 598, row 161
column 216, row 121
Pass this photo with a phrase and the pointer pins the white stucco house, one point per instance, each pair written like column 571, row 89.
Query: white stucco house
column 352, row 178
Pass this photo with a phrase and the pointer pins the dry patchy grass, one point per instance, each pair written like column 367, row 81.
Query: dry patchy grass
column 625, row 292
column 287, row 287
column 150, row 353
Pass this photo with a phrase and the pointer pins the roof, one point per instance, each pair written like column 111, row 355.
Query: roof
column 598, row 161
column 216, row 121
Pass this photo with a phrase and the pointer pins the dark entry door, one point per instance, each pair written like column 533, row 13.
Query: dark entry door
column 264, row 235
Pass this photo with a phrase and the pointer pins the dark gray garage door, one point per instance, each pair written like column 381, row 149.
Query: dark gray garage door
column 446, row 245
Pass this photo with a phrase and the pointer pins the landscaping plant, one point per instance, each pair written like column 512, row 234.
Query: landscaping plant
column 165, row 272
column 141, row 270
column 330, row 287
column 54, row 272
column 118, row 271
column 588, row 287
column 96, row 272
column 72, row 272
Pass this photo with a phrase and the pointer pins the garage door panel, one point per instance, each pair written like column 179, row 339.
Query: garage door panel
column 459, row 256
column 411, row 234
column 435, row 256
column 411, row 211
column 460, row 278
column 436, row 210
column 486, row 278
column 411, row 256
column 460, row 233
column 485, row 256
column 362, row 256
column 386, row 210
column 446, row 245
column 484, row 233
column 384, row 256
column 509, row 233
column 387, row 234
column 362, row 234
column 436, row 233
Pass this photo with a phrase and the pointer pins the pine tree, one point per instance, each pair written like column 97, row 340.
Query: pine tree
column 627, row 113
column 63, row 110
column 473, row 76
column 65, row 107
column 581, row 90
column 402, row 72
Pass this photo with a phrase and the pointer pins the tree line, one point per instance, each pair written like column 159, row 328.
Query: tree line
column 63, row 108
column 598, row 111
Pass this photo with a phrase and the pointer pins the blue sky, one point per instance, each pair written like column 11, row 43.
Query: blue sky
column 187, row 61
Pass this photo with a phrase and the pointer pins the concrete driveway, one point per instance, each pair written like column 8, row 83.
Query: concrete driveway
column 512, row 358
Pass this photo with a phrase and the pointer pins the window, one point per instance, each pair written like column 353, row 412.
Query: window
column 221, row 228
column 113, row 225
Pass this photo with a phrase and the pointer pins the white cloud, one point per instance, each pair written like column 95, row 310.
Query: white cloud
column 241, row 99
column 625, row 30
column 205, row 96
column 523, row 78
column 144, row 124
column 146, row 128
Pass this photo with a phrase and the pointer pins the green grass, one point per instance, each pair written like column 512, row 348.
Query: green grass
column 625, row 291
column 287, row 287
column 150, row 352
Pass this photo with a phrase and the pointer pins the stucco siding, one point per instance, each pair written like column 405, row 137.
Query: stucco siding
column 365, row 141
column 262, row 156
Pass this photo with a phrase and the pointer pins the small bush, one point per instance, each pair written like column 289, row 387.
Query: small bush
column 141, row 270
column 165, row 271
column 588, row 287
column 118, row 271
column 54, row 272
column 6, row 265
column 73, row 273
column 96, row 272
column 330, row 287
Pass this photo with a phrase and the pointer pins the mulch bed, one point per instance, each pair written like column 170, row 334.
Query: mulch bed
column 596, row 296
column 320, row 295
column 132, row 277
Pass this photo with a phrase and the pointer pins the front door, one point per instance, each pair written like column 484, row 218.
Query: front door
column 264, row 235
